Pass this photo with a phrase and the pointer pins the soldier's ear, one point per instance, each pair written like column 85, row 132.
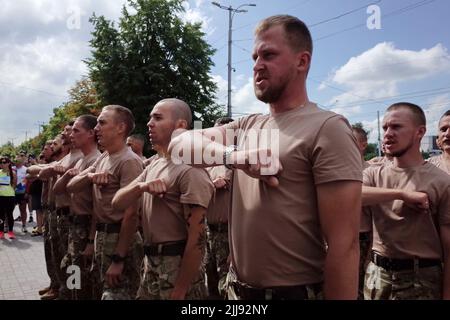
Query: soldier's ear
column 304, row 61
column 181, row 124
column 421, row 131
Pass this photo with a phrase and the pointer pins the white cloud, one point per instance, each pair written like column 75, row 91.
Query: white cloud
column 372, row 127
column 39, row 54
column 243, row 99
column 378, row 72
column 41, row 58
column 434, row 108
column 195, row 15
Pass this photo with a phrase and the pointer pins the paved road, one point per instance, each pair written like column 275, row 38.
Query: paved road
column 22, row 265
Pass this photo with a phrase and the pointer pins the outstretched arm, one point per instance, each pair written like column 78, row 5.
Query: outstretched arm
column 80, row 181
column 374, row 195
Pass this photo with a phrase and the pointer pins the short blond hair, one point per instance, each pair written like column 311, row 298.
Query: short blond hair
column 122, row 115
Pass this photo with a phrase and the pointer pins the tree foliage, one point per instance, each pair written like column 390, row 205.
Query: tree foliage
column 152, row 54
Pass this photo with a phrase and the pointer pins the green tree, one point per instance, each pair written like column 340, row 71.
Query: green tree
column 8, row 150
column 371, row 149
column 152, row 55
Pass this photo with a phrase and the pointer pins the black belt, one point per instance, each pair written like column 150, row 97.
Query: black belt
column 65, row 211
column 170, row 249
column 218, row 227
column 109, row 227
column 299, row 292
column 403, row 264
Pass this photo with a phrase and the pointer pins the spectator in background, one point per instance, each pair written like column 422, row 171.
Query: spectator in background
column 20, row 192
column 35, row 192
column 7, row 185
column 137, row 142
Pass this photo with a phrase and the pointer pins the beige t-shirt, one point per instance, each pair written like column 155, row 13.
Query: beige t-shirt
column 82, row 201
column 123, row 167
column 275, row 236
column 380, row 161
column 220, row 203
column 68, row 162
column 165, row 219
column 439, row 162
column 366, row 215
column 399, row 231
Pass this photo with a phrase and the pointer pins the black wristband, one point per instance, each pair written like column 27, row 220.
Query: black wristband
column 90, row 241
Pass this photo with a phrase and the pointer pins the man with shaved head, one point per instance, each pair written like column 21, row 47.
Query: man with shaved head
column 175, row 198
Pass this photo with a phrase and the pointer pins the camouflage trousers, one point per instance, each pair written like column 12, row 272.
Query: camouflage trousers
column 63, row 229
column 105, row 246
column 364, row 249
column 422, row 284
column 56, row 256
column 217, row 262
column 159, row 276
column 78, row 239
column 49, row 261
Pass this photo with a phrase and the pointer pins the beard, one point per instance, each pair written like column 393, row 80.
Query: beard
column 272, row 93
column 399, row 153
column 56, row 153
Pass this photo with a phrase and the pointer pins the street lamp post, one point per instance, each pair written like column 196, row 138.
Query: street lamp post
column 231, row 12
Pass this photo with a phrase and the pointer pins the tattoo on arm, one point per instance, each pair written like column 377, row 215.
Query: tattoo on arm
column 201, row 242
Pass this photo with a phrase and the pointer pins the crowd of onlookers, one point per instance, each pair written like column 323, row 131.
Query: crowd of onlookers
column 18, row 190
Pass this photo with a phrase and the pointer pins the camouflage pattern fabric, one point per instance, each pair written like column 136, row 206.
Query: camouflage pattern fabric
column 49, row 261
column 63, row 227
column 217, row 266
column 55, row 255
column 364, row 249
column 78, row 239
column 422, row 284
column 105, row 246
column 159, row 276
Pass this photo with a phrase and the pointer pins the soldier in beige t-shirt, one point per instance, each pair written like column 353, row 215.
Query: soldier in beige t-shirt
column 443, row 140
column 365, row 231
column 411, row 215
column 81, row 207
column 175, row 198
column 50, row 292
column 62, row 204
column 218, row 249
column 118, row 245
column 287, row 202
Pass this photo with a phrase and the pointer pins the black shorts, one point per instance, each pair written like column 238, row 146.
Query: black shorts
column 36, row 203
column 20, row 198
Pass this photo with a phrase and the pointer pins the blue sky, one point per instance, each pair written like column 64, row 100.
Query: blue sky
column 355, row 71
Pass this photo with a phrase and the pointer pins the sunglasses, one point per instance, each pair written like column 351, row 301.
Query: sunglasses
column 4, row 162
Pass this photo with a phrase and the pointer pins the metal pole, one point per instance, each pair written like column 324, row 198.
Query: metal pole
column 229, row 62
column 231, row 12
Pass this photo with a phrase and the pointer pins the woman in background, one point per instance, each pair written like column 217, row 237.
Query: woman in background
column 8, row 182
